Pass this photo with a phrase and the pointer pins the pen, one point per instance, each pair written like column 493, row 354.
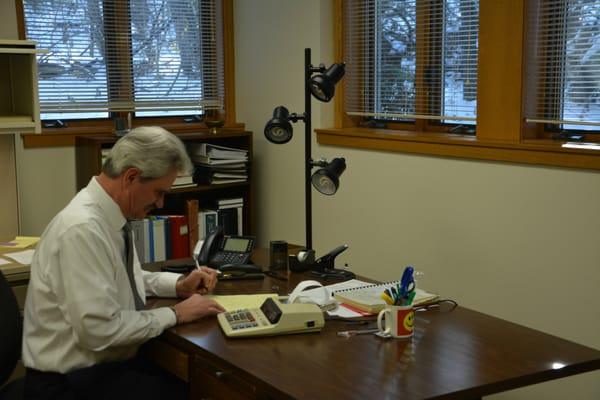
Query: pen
column 395, row 295
column 357, row 332
column 387, row 298
column 411, row 297
column 219, row 273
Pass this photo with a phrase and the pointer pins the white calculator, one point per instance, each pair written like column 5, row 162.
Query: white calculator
column 272, row 318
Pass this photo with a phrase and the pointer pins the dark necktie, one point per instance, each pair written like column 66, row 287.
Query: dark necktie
column 139, row 304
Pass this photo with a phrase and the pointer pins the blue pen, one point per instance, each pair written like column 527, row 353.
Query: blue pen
column 407, row 283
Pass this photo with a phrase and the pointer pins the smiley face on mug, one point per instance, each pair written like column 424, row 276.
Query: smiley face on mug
column 409, row 321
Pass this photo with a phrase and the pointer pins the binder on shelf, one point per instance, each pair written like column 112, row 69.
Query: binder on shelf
column 179, row 237
column 158, row 236
column 148, row 251
column 238, row 205
column 227, row 219
column 217, row 152
column 368, row 297
column 168, row 241
column 208, row 221
column 218, row 179
column 137, row 227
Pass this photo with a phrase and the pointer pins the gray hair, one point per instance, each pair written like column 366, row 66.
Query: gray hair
column 151, row 149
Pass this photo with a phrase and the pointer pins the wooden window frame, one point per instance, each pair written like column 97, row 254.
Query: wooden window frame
column 502, row 134
column 59, row 137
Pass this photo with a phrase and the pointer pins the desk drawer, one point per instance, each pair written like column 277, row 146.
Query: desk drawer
column 209, row 380
column 167, row 357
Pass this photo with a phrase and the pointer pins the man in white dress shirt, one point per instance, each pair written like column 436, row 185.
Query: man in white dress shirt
column 84, row 316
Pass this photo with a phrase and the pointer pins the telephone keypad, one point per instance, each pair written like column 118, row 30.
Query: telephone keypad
column 230, row 258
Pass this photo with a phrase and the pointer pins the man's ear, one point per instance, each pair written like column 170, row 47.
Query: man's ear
column 130, row 175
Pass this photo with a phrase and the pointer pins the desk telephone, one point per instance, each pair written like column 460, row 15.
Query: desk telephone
column 229, row 254
column 272, row 318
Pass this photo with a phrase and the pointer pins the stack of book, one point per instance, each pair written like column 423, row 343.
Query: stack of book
column 227, row 213
column 216, row 165
column 230, row 215
column 183, row 181
column 160, row 238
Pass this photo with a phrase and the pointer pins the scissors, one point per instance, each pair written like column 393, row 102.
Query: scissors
column 407, row 283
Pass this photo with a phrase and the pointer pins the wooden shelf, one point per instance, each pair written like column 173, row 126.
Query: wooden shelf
column 88, row 162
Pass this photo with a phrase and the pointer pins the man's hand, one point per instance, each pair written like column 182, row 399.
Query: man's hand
column 200, row 281
column 196, row 307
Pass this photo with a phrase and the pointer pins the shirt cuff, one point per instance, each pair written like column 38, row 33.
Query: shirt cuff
column 165, row 316
column 167, row 284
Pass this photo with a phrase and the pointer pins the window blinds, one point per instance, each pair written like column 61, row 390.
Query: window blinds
column 136, row 55
column 563, row 63
column 411, row 59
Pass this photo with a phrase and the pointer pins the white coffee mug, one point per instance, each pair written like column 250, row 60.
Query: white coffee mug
column 396, row 321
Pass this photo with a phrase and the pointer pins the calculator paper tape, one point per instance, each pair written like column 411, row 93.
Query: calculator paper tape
column 319, row 297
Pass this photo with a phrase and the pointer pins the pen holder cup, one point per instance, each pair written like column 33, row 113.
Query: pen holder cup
column 396, row 321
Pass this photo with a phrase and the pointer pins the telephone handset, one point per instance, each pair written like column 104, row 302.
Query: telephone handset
column 218, row 250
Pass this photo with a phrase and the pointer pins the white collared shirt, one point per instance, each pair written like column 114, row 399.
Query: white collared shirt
column 80, row 309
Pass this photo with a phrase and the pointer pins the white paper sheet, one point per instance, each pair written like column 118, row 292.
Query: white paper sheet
column 22, row 257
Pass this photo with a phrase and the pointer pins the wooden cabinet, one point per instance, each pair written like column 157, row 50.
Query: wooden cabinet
column 19, row 106
column 88, row 158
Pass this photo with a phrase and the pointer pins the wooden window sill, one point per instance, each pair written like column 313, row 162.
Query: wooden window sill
column 64, row 137
column 540, row 152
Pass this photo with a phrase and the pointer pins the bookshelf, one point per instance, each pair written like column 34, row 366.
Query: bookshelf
column 19, row 106
column 88, row 161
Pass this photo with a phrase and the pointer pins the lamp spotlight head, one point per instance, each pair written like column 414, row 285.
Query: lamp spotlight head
column 322, row 86
column 279, row 129
column 327, row 180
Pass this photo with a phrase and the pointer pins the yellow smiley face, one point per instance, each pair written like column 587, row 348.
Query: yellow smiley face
column 409, row 321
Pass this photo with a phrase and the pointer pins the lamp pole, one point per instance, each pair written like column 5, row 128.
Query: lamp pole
column 307, row 147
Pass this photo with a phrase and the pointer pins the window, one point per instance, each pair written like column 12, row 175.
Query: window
column 150, row 57
column 411, row 59
column 469, row 79
column 563, row 64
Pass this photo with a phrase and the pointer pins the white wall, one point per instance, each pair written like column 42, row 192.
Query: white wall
column 499, row 238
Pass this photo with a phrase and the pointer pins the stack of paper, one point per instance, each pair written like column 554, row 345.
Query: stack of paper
column 20, row 242
column 218, row 164
column 368, row 296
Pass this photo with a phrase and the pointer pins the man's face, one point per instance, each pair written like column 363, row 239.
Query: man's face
column 144, row 196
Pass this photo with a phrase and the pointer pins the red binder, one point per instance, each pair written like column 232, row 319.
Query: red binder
column 180, row 247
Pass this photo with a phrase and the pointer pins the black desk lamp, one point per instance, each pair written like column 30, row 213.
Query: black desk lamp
column 326, row 179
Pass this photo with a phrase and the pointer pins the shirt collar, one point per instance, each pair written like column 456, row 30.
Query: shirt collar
column 111, row 209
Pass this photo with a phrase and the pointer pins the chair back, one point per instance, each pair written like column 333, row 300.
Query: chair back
column 11, row 330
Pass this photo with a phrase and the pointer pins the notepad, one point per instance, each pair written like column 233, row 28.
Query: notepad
column 241, row 301
column 368, row 297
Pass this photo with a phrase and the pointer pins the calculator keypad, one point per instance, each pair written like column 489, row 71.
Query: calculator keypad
column 244, row 318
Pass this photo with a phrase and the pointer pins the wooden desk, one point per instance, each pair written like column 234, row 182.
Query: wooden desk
column 460, row 354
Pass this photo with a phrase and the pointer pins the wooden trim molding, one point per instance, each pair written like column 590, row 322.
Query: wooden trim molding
column 458, row 146
column 66, row 139
column 20, row 19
